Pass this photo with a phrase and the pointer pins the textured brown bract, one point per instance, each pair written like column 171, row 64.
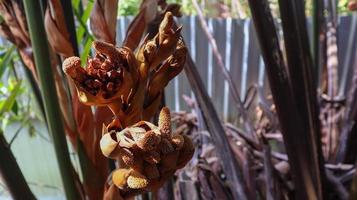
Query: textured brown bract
column 56, row 29
column 103, row 20
column 162, row 154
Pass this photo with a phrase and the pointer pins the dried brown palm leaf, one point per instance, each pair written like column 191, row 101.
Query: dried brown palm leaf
column 56, row 29
column 148, row 20
column 14, row 18
column 13, row 28
column 136, row 29
column 103, row 20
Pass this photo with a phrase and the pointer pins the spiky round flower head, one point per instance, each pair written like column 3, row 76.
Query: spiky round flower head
column 150, row 152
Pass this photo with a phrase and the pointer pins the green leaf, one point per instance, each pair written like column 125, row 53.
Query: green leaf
column 86, row 50
column 15, row 108
column 6, row 59
column 7, row 105
column 75, row 4
column 83, row 21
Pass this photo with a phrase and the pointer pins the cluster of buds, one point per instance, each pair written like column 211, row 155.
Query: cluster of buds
column 131, row 86
column 109, row 75
column 150, row 154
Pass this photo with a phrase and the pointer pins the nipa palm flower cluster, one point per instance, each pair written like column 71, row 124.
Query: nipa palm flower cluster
column 151, row 153
column 131, row 84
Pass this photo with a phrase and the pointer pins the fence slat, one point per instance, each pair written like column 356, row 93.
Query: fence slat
column 219, row 27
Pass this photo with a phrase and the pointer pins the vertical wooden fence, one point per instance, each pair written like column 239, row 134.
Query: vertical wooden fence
column 237, row 43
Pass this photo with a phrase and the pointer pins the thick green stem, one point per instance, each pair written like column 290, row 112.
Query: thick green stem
column 53, row 113
column 11, row 174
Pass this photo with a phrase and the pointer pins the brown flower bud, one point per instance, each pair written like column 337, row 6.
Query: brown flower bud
column 165, row 122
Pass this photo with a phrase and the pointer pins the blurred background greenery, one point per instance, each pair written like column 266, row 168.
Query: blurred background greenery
column 236, row 8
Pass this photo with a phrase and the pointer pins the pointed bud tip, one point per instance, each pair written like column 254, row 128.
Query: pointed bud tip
column 165, row 121
column 168, row 15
